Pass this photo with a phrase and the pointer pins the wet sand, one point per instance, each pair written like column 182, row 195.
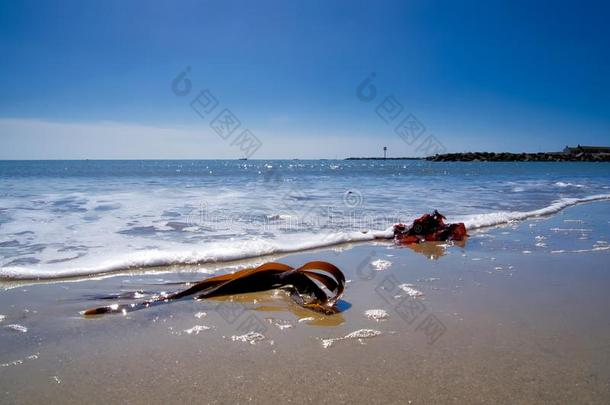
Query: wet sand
column 517, row 315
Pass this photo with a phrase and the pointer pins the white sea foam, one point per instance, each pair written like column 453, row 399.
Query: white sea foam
column 195, row 330
column 211, row 253
column 19, row 361
column 215, row 252
column 376, row 314
column 594, row 249
column 281, row 324
column 277, row 217
column 411, row 292
column 250, row 337
column 17, row 328
column 564, row 185
column 500, row 218
column 381, row 264
column 358, row 334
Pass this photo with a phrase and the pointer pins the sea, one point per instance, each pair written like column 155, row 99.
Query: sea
column 84, row 218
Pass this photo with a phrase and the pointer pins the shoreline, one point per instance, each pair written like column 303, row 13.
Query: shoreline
column 519, row 324
column 161, row 260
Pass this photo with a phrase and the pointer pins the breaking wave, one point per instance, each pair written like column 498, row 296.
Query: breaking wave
column 500, row 218
column 219, row 253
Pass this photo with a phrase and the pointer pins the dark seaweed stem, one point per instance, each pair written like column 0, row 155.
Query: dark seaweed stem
column 125, row 308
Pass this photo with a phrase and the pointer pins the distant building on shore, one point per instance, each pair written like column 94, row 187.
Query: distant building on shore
column 586, row 149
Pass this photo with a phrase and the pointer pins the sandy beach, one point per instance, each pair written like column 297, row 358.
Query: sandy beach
column 326, row 202
column 516, row 315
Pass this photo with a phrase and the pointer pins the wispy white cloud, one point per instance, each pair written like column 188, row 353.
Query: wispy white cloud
column 42, row 139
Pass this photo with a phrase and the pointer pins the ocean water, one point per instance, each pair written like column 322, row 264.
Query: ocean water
column 68, row 218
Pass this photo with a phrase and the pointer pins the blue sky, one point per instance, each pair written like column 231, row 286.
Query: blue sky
column 93, row 79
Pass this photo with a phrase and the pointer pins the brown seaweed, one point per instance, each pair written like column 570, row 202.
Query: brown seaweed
column 301, row 282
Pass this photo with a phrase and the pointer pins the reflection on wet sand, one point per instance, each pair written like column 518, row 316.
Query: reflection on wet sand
column 434, row 250
column 279, row 301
